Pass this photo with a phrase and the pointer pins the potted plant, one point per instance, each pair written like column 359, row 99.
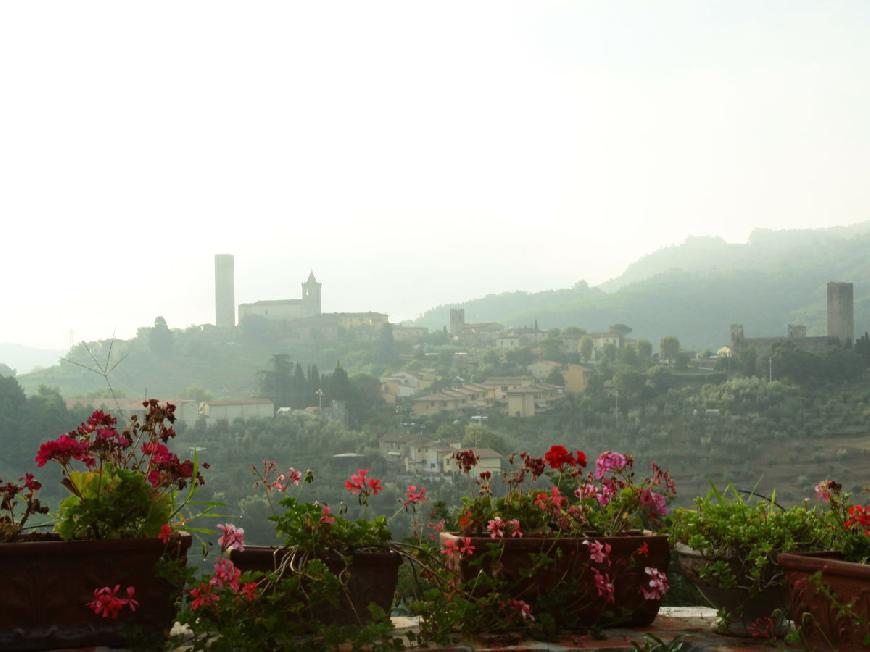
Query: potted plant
column 332, row 579
column 727, row 547
column 830, row 598
column 551, row 548
column 68, row 588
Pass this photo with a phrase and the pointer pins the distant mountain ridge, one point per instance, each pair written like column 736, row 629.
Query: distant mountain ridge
column 24, row 358
column 697, row 289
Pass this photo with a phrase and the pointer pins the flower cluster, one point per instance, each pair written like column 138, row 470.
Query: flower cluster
column 233, row 538
column 456, row 549
column 657, row 584
column 108, row 604
column 361, row 485
column 226, row 578
column 558, row 458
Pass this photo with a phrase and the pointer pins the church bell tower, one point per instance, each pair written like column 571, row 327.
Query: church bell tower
column 311, row 296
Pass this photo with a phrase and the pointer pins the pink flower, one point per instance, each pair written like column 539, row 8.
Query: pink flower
column 657, row 586
column 603, row 585
column 225, row 574
column 233, row 538
column 609, row 461
column 294, row 476
column 413, row 496
column 495, row 527
column 165, row 533
column 284, row 480
column 108, row 604
column 326, row 516
column 598, row 552
column 608, row 489
column 516, row 530
column 457, row 548
column 551, row 503
column 654, row 502
column 203, row 596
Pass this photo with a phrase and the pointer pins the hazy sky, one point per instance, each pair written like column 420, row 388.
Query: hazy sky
column 409, row 153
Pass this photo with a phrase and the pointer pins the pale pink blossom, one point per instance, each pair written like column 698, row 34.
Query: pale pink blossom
column 657, row 585
column 516, row 530
column 495, row 527
column 609, row 461
column 598, row 552
column 233, row 538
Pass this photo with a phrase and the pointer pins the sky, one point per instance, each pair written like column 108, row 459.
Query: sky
column 409, row 153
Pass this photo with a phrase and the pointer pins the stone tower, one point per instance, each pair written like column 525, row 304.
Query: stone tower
column 457, row 320
column 224, row 291
column 841, row 315
column 311, row 296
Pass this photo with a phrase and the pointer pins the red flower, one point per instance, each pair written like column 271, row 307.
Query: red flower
column 357, row 482
column 859, row 515
column 165, row 533
column 107, row 604
column 203, row 596
column 326, row 516
column 375, row 486
column 413, row 496
column 62, row 450
column 643, row 550
column 466, row 460
column 249, row 591
column 558, row 457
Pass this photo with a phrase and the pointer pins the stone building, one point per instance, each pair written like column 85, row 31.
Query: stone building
column 840, row 328
column 841, row 312
column 287, row 309
column 224, row 293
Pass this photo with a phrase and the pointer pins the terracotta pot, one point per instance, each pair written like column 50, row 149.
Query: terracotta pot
column 46, row 585
column 372, row 578
column 571, row 560
column 820, row 626
column 743, row 607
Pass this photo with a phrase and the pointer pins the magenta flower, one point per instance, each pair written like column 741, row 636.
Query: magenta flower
column 654, row 502
column 609, row 461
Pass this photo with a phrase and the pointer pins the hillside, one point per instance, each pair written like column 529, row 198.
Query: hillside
column 695, row 290
column 24, row 358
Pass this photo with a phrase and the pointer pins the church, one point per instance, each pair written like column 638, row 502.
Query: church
column 287, row 309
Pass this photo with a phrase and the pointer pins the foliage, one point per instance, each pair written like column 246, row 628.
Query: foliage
column 849, row 522
column 740, row 538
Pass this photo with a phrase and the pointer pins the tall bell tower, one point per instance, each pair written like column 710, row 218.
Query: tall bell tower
column 311, row 296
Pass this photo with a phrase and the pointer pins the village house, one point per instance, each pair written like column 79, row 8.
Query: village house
column 532, row 399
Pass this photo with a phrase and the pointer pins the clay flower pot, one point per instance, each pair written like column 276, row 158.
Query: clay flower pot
column 822, row 622
column 48, row 582
column 571, row 563
column 372, row 578
column 743, row 608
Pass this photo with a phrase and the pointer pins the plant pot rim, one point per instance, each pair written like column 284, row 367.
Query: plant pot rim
column 372, row 552
column 633, row 535
column 77, row 546
column 814, row 562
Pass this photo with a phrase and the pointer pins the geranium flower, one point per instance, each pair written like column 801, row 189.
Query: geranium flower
column 466, row 460
column 456, row 548
column 598, row 552
column 558, row 457
column 326, row 516
column 165, row 533
column 826, row 489
column 603, row 585
column 225, row 574
column 535, row 465
column 521, row 607
column 657, row 586
column 108, row 604
column 643, row 550
column 858, row 515
column 249, row 591
column 63, row 449
column 609, row 461
column 233, row 538
column 203, row 596
column 495, row 527
column 414, row 496
column 654, row 502
column 514, row 526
